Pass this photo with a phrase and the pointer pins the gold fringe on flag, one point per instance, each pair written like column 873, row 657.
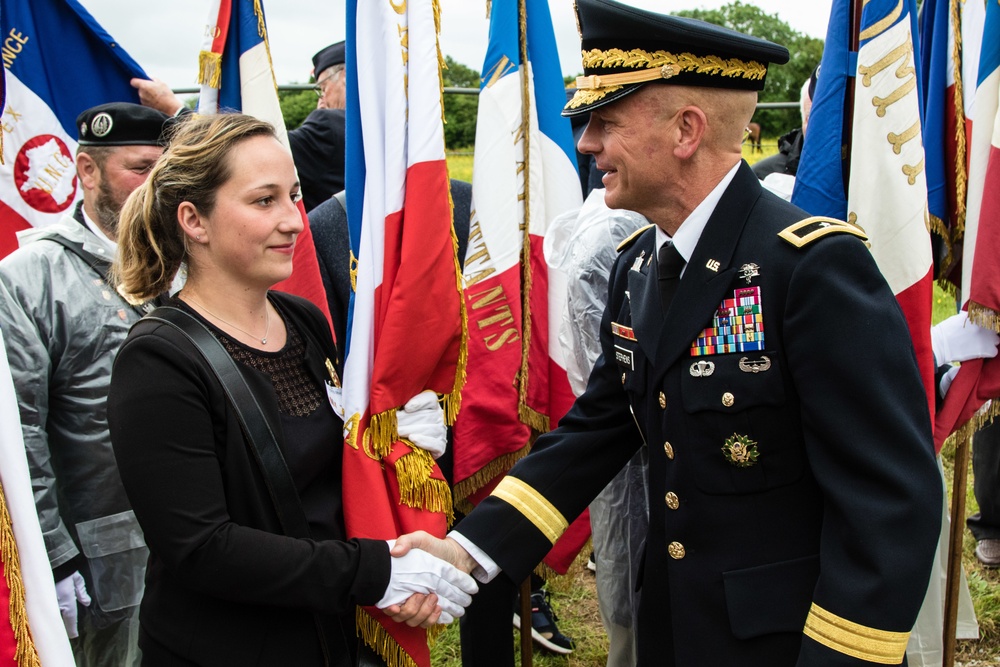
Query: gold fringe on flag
column 380, row 641
column 486, row 474
column 209, row 69
column 354, row 272
column 961, row 172
column 416, row 486
column 984, row 317
column 984, row 417
column 25, row 655
column 381, row 434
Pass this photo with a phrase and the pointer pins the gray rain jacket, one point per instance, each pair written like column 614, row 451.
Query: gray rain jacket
column 63, row 326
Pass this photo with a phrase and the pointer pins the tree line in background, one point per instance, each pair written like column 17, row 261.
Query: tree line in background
column 783, row 83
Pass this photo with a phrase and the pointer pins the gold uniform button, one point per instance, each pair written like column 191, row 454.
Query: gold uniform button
column 728, row 399
column 673, row 502
column 623, row 378
column 676, row 550
column 669, row 450
column 663, row 401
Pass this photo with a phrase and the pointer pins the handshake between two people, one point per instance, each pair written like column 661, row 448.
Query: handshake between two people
column 430, row 581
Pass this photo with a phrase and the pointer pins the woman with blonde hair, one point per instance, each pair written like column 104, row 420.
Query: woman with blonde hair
column 225, row 419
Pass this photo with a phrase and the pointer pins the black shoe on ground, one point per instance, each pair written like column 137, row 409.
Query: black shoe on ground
column 543, row 624
column 987, row 552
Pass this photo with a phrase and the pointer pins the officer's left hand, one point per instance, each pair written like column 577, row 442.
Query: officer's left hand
column 421, row 421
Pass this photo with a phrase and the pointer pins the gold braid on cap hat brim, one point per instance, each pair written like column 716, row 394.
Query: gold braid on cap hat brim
column 656, row 65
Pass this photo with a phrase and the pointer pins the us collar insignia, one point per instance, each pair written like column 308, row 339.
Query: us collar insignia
column 740, row 450
column 737, row 326
column 749, row 271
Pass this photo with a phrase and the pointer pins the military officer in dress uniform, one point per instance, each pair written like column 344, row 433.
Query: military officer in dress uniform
column 762, row 358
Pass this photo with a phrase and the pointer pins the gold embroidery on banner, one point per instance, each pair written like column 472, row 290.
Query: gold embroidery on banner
column 683, row 62
column 897, row 140
column 881, row 26
column 533, row 505
column 912, row 171
column 497, row 71
column 351, row 430
column 858, row 641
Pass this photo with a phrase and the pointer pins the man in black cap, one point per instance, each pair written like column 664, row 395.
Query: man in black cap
column 63, row 323
column 318, row 144
column 759, row 353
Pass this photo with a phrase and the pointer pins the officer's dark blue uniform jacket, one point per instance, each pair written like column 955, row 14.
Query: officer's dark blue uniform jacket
column 795, row 501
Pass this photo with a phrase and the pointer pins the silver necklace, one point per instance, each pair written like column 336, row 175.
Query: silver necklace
column 267, row 320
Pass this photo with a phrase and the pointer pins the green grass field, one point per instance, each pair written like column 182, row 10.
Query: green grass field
column 574, row 595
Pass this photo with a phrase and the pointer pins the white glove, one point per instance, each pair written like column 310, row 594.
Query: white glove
column 947, row 379
column 420, row 572
column 69, row 591
column 958, row 339
column 421, row 421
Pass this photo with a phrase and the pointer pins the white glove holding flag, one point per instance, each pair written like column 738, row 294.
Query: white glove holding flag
column 421, row 421
column 69, row 591
column 420, row 572
column 958, row 339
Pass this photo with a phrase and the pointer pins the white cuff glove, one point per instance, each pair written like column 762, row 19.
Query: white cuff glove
column 69, row 591
column 421, row 421
column 947, row 379
column 958, row 339
column 420, row 572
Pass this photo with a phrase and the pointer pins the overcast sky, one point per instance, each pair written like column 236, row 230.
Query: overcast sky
column 165, row 37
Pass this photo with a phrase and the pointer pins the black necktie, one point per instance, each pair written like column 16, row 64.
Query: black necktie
column 669, row 265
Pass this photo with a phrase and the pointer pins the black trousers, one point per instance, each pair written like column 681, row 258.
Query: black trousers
column 985, row 524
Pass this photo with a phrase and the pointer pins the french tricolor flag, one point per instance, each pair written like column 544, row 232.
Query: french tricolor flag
column 234, row 68
column 46, row 90
column 407, row 320
column 525, row 176
column 978, row 381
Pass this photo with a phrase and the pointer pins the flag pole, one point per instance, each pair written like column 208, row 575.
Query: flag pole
column 956, row 532
column 848, row 132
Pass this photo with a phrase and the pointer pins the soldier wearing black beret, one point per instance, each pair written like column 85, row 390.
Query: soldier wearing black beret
column 63, row 322
column 761, row 357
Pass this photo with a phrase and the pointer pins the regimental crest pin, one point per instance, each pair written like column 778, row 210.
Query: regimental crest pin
column 740, row 450
column 101, row 124
column 749, row 271
column 637, row 264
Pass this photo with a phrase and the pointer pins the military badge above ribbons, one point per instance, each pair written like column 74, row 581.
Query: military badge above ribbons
column 738, row 326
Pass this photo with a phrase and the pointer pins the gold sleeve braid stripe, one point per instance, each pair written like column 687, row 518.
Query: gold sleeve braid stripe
column 858, row 641
column 533, row 505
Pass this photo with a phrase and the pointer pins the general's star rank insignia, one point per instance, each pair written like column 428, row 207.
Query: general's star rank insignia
column 740, row 450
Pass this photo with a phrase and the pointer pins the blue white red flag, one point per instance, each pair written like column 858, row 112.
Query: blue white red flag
column 407, row 321
column 525, row 175
column 978, row 380
column 951, row 33
column 46, row 90
column 234, row 68
column 886, row 193
column 32, row 625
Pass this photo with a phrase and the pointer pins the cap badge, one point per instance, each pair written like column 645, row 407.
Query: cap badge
column 748, row 271
column 740, row 450
column 101, row 124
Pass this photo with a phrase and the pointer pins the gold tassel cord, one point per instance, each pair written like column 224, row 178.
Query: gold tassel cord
column 961, row 173
column 258, row 11
column 210, row 69
column 380, row 641
column 523, row 376
column 381, row 434
column 25, row 655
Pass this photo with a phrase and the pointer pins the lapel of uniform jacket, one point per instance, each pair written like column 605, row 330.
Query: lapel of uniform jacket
column 644, row 297
column 708, row 275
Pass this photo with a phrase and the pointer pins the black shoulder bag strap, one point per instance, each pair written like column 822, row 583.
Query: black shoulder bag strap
column 258, row 432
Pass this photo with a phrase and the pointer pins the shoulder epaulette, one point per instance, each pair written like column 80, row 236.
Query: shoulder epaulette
column 806, row 231
column 632, row 237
